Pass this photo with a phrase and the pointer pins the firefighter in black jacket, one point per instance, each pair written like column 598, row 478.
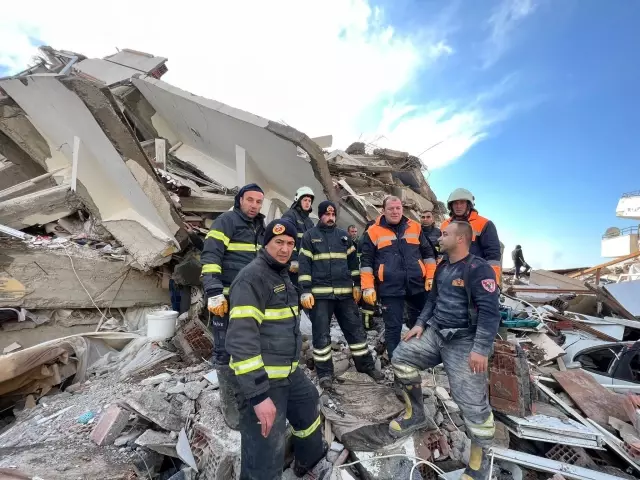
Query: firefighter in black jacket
column 330, row 283
column 264, row 341
column 231, row 244
column 298, row 214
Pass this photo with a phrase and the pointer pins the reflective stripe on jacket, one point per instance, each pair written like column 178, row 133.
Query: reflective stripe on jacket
column 328, row 262
column 485, row 243
column 263, row 337
column 398, row 257
column 302, row 222
column 230, row 245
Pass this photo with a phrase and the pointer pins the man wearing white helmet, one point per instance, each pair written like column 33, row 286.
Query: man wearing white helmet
column 485, row 243
column 298, row 214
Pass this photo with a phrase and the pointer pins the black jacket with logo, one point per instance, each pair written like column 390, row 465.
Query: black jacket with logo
column 303, row 223
column 263, row 338
column 230, row 245
column 329, row 266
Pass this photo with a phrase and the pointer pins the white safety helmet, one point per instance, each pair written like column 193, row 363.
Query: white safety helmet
column 461, row 194
column 303, row 192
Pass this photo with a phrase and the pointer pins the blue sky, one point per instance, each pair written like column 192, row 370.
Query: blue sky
column 533, row 104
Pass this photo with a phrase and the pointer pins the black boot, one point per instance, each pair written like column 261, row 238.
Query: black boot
column 479, row 464
column 321, row 468
column 228, row 404
column 414, row 417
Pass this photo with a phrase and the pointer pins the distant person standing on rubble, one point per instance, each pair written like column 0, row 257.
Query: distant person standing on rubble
column 457, row 327
column 519, row 261
column 231, row 244
column 330, row 284
column 429, row 229
column 485, row 243
column 265, row 342
column 298, row 214
column 397, row 260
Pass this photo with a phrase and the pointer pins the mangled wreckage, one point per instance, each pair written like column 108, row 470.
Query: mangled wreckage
column 110, row 180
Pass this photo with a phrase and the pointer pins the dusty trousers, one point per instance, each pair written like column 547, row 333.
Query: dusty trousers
column 226, row 377
column 469, row 390
column 348, row 316
column 393, row 316
column 296, row 400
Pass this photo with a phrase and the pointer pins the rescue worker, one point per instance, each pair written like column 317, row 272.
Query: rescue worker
column 265, row 342
column 457, row 327
column 330, row 284
column 486, row 243
column 298, row 214
column 396, row 255
column 231, row 244
column 519, row 261
column 429, row 229
column 352, row 230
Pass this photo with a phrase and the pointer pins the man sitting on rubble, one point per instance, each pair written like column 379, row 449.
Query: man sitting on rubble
column 231, row 244
column 330, row 283
column 519, row 261
column 457, row 327
column 264, row 342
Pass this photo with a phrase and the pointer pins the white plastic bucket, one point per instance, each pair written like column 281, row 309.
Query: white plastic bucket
column 161, row 324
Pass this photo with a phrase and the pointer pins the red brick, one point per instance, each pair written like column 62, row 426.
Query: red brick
column 111, row 424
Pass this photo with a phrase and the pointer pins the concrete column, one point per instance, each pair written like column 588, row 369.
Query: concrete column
column 241, row 165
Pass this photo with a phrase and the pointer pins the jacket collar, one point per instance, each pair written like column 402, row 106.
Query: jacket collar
column 325, row 228
column 382, row 221
column 259, row 219
column 271, row 262
column 473, row 215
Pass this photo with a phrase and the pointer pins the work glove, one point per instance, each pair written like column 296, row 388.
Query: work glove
column 307, row 301
column 357, row 294
column 293, row 268
column 218, row 305
column 428, row 283
column 369, row 296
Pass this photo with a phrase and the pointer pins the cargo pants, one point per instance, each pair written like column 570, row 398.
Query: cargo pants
column 469, row 390
column 393, row 316
column 348, row 316
column 296, row 400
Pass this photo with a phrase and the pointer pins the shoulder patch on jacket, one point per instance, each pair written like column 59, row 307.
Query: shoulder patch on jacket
column 489, row 285
column 279, row 288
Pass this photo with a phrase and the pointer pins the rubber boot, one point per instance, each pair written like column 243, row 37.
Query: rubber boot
column 228, row 404
column 376, row 375
column 479, row 464
column 414, row 417
column 321, row 469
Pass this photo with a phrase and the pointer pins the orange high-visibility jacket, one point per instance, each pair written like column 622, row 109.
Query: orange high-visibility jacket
column 486, row 243
column 399, row 258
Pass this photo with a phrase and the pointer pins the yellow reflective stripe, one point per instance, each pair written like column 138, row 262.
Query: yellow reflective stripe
column 304, row 278
column 388, row 238
column 294, row 365
column 351, row 249
column 308, row 431
column 359, row 353
column 322, row 358
column 211, row 268
column 358, row 346
column 225, row 290
column 484, row 430
column 246, row 366
column 355, row 273
column 241, row 247
column 329, row 256
column 280, row 313
column 278, row 371
column 306, row 252
column 218, row 235
column 367, row 312
column 243, row 311
column 322, row 351
column 300, row 235
column 337, row 291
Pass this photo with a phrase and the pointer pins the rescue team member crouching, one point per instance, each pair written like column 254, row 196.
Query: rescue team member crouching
column 330, row 284
column 395, row 250
column 485, row 243
column 298, row 214
column 457, row 327
column 264, row 342
column 230, row 245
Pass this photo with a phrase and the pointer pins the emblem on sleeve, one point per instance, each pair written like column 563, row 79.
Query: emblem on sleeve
column 489, row 285
column 278, row 229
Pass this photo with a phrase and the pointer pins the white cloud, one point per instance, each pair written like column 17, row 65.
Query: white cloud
column 502, row 22
column 330, row 66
